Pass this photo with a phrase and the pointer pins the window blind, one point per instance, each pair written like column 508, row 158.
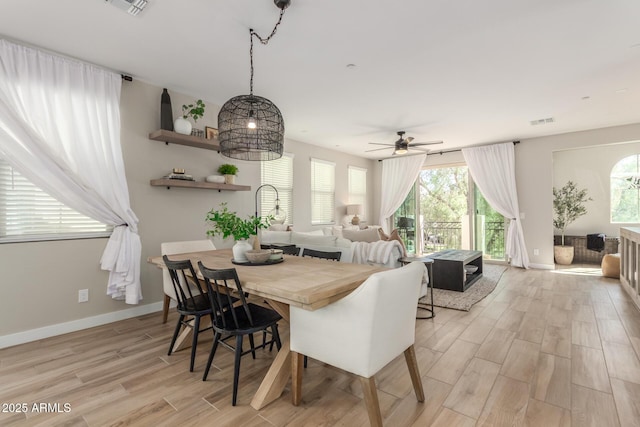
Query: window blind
column 278, row 173
column 27, row 213
column 323, row 200
column 358, row 187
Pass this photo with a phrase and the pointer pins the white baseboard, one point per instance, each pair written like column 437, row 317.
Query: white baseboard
column 543, row 266
column 77, row 325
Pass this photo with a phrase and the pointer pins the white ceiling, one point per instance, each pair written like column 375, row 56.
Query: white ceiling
column 466, row 72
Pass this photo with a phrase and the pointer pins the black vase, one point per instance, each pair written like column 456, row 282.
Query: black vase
column 166, row 114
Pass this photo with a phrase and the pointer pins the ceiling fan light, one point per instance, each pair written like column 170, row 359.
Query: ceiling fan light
column 400, row 151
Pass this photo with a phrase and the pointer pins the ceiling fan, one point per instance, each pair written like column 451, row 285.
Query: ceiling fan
column 403, row 145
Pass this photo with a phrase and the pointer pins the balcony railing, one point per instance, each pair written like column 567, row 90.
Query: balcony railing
column 441, row 235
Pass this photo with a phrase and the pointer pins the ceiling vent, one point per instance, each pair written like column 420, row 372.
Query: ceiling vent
column 542, row 121
column 132, row 7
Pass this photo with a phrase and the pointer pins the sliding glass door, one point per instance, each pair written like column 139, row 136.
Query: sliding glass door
column 444, row 210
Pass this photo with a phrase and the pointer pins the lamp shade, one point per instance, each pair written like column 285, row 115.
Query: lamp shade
column 354, row 209
column 250, row 128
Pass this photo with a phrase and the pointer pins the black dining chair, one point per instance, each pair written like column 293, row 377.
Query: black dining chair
column 239, row 319
column 192, row 301
column 321, row 254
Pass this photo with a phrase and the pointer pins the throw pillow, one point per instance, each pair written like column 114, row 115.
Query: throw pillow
column 383, row 235
column 395, row 236
column 367, row 235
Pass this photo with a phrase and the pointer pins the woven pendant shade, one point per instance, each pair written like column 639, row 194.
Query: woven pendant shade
column 238, row 141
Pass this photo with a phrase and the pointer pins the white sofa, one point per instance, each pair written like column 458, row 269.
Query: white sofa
column 320, row 242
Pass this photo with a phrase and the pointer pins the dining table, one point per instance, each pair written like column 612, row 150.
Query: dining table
column 304, row 282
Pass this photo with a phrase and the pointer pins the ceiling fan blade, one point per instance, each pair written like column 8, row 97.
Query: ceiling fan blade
column 418, row 149
column 377, row 149
column 409, row 139
column 426, row 143
column 377, row 143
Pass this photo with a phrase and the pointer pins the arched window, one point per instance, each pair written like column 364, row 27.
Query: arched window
column 625, row 190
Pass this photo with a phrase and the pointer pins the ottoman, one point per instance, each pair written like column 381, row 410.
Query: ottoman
column 611, row 266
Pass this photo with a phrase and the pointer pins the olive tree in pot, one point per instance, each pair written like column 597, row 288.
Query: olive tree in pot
column 568, row 205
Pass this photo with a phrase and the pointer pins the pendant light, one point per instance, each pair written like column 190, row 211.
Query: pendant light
column 251, row 127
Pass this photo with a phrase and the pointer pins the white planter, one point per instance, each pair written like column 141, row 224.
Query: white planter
column 229, row 179
column 217, row 179
column 239, row 250
column 182, row 126
column 563, row 254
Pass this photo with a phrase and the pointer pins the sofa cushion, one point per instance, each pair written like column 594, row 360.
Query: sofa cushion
column 301, row 239
column 366, row 235
column 268, row 237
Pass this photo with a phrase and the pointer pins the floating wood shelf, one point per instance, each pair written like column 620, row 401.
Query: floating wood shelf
column 188, row 140
column 164, row 182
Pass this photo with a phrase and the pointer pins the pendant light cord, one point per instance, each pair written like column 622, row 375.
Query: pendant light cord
column 263, row 41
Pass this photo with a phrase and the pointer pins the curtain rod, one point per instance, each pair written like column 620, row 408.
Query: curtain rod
column 453, row 150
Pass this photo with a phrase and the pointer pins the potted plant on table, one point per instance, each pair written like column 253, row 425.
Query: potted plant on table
column 195, row 111
column 568, row 205
column 229, row 172
column 226, row 223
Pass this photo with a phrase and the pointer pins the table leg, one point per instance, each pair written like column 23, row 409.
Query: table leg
column 278, row 375
column 276, row 379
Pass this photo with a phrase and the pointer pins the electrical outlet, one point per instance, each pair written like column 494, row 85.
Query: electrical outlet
column 83, row 295
column 536, row 251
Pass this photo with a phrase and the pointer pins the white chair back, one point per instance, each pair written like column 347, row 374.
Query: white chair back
column 172, row 248
column 367, row 329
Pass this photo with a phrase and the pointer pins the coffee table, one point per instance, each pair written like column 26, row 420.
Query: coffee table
column 449, row 269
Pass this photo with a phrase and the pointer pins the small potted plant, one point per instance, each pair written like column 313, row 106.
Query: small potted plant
column 195, row 111
column 226, row 223
column 568, row 205
column 229, row 172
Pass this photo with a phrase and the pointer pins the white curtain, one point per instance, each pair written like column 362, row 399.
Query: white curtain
column 398, row 176
column 60, row 128
column 492, row 168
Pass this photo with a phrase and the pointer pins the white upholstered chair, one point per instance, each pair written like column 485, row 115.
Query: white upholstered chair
column 362, row 332
column 172, row 248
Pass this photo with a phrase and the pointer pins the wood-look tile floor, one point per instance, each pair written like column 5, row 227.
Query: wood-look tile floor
column 544, row 349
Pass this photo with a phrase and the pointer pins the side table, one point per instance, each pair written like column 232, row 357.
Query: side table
column 428, row 262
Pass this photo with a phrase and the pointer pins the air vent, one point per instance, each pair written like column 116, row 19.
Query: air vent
column 132, row 7
column 542, row 121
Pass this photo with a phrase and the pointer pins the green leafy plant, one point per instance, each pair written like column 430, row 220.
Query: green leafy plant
column 196, row 111
column 568, row 205
column 227, row 223
column 227, row 169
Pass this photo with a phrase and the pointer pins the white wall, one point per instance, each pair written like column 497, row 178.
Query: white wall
column 535, row 180
column 590, row 168
column 42, row 279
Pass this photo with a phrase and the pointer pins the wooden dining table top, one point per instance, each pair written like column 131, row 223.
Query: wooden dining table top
column 304, row 282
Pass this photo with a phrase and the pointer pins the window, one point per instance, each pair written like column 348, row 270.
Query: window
column 278, row 173
column 29, row 214
column 323, row 187
column 358, row 187
column 625, row 190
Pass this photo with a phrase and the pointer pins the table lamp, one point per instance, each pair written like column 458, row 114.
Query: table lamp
column 354, row 210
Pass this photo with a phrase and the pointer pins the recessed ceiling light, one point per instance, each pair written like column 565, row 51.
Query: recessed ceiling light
column 584, row 98
column 623, row 90
column 351, row 65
